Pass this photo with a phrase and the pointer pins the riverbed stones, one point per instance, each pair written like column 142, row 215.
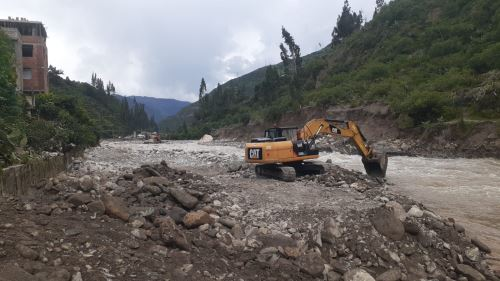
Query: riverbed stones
column 184, row 198
column 358, row 274
column 11, row 272
column 472, row 254
column 115, row 207
column 197, row 218
column 483, row 247
column 387, row 224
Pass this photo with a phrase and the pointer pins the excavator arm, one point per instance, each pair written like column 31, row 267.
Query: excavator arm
column 375, row 164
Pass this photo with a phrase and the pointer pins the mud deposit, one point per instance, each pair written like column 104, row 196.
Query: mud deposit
column 187, row 211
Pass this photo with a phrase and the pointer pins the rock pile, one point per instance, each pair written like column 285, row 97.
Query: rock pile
column 160, row 223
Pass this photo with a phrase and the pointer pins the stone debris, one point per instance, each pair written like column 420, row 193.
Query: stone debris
column 155, row 222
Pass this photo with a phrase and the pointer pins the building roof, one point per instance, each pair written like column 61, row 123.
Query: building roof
column 25, row 27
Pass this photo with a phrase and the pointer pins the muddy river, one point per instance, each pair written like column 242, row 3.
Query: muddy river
column 465, row 189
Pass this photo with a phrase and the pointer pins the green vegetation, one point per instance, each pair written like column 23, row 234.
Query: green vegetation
column 431, row 61
column 73, row 114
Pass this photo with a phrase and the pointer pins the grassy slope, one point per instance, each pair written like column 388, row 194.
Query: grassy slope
column 431, row 61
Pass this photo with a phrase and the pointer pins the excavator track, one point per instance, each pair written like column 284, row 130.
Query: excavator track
column 276, row 171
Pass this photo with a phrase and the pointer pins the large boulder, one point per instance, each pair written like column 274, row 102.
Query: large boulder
column 158, row 181
column 312, row 264
column 171, row 235
column 331, row 231
column 185, row 199
column 206, row 139
column 115, row 207
column 397, row 209
column 197, row 218
column 469, row 272
column 387, row 224
column 79, row 199
column 86, row 183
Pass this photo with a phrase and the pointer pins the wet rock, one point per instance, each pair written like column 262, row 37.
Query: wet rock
column 115, row 207
column 197, row 218
column 128, row 177
column 415, row 211
column 158, row 181
column 472, row 254
column 312, row 264
column 459, row 228
column 86, row 183
column 483, row 247
column 79, row 199
column 177, row 214
column 96, row 207
column 390, row 275
column 397, row 209
column 387, row 224
column 172, row 235
column 184, row 198
column 331, row 231
column 358, row 274
column 469, row 272
column 26, row 252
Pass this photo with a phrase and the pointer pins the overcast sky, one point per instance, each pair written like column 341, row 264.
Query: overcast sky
column 162, row 48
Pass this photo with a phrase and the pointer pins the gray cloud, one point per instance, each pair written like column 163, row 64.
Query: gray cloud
column 163, row 48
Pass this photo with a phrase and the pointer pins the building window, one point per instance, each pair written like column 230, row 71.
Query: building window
column 27, row 74
column 27, row 51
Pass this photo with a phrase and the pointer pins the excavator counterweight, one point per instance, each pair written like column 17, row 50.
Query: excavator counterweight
column 282, row 152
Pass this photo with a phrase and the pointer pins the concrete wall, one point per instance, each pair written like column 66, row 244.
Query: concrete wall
column 18, row 180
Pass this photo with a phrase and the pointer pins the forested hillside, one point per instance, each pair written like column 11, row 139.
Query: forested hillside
column 431, row 61
column 157, row 108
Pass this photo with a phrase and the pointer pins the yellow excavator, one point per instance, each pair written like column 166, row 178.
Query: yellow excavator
column 282, row 152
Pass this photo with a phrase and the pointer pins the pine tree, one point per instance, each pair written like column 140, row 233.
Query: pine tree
column 347, row 23
column 203, row 88
column 291, row 58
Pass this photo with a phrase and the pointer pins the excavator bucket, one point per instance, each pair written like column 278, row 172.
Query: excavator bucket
column 376, row 166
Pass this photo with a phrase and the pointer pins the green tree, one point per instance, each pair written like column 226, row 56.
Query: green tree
column 378, row 6
column 291, row 58
column 347, row 23
column 203, row 88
